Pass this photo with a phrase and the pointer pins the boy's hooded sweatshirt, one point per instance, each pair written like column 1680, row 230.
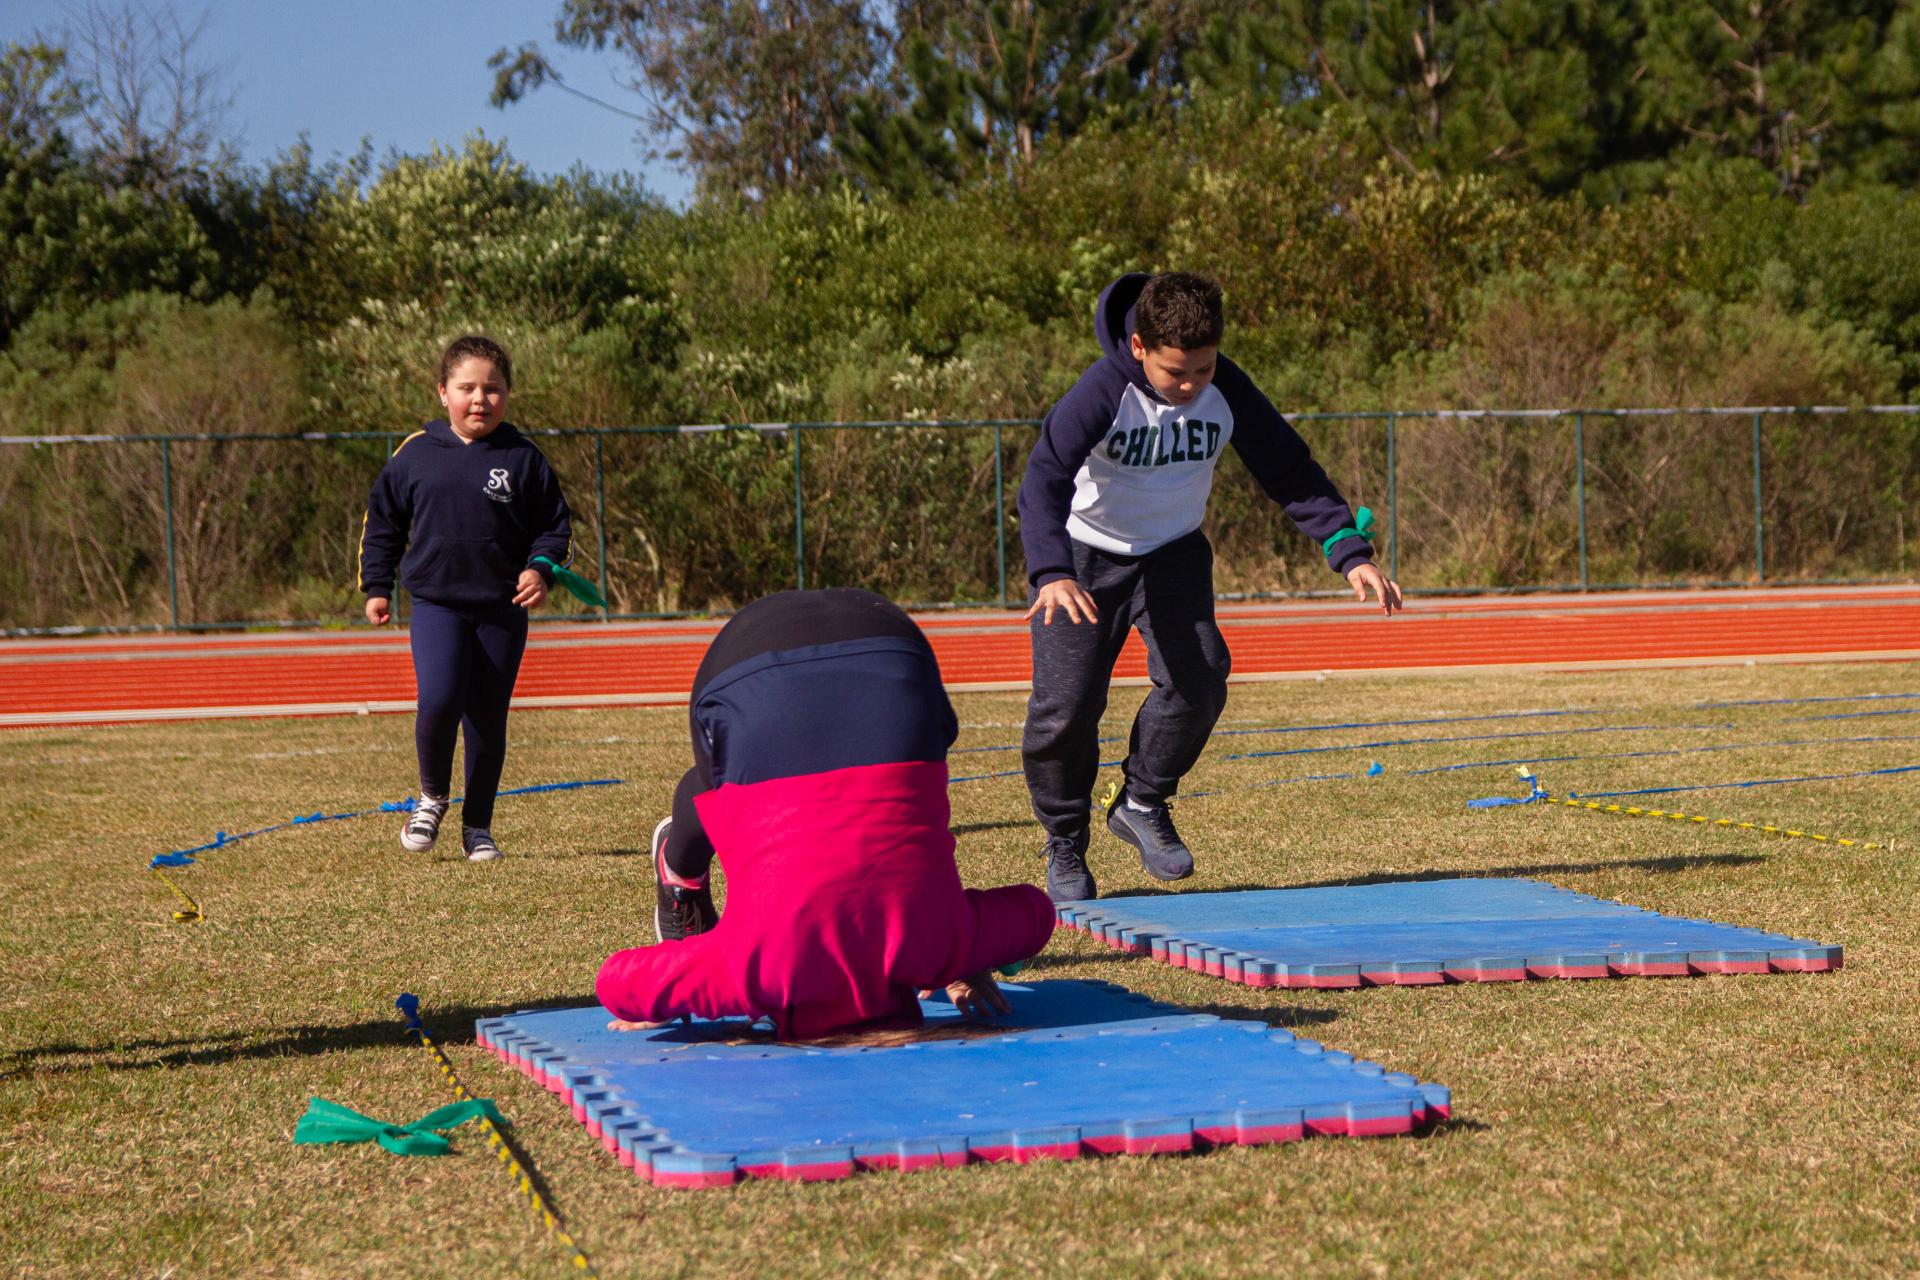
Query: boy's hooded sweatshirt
column 470, row 517
column 1118, row 468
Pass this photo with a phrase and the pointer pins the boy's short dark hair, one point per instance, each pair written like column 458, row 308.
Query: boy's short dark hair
column 1179, row 309
column 469, row 345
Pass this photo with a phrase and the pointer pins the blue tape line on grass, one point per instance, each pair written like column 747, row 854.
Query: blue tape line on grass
column 1784, row 702
column 1471, row 737
column 1853, row 715
column 553, row 786
column 185, row 857
column 1675, row 751
column 1310, row 728
column 1397, row 724
column 1755, row 782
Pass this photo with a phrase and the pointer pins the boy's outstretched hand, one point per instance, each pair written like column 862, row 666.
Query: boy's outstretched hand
column 1367, row 577
column 1066, row 595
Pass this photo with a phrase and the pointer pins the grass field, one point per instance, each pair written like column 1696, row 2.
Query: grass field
column 151, row 1073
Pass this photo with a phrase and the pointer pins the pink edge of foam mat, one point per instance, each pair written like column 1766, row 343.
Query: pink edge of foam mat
column 691, row 1181
column 1104, row 1145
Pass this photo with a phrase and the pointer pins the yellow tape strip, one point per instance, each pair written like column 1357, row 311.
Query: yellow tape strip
column 192, row 914
column 1594, row 806
column 498, row 1141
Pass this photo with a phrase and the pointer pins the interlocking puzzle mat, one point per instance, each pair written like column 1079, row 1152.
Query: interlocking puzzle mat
column 1085, row 1067
column 1430, row 931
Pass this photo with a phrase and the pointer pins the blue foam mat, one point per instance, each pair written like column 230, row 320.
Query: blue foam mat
column 1430, row 931
column 1088, row 1067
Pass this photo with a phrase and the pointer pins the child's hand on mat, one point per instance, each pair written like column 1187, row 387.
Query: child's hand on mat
column 1367, row 577
column 379, row 610
column 533, row 589
column 621, row 1024
column 1064, row 594
column 978, row 997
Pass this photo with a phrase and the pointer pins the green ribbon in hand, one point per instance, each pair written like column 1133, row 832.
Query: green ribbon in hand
column 580, row 588
column 1362, row 527
column 330, row 1122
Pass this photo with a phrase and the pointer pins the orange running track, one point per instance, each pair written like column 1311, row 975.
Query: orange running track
column 119, row 679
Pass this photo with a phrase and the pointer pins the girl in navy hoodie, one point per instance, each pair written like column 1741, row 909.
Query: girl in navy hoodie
column 482, row 524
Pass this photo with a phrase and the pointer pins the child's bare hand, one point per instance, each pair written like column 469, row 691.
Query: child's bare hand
column 978, row 997
column 1367, row 577
column 621, row 1024
column 1063, row 594
column 379, row 610
column 533, row 589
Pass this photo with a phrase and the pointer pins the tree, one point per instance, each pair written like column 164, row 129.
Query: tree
column 754, row 91
column 152, row 110
column 1527, row 88
column 1772, row 81
column 979, row 85
column 37, row 100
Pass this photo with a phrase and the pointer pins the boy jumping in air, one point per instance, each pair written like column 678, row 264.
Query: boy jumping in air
column 1110, row 514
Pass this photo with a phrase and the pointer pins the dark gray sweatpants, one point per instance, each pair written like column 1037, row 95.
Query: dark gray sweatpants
column 1167, row 595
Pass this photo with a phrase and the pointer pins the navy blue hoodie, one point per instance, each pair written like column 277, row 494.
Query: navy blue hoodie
column 470, row 517
column 1119, row 468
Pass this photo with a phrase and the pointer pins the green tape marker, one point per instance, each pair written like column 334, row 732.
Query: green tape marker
column 578, row 587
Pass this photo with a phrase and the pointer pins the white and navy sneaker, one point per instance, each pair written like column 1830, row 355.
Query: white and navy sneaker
column 478, row 842
column 423, row 828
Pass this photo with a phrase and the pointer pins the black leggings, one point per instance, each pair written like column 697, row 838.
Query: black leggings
column 464, row 663
column 772, row 624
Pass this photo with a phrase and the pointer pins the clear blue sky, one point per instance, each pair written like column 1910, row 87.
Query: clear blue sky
column 405, row 73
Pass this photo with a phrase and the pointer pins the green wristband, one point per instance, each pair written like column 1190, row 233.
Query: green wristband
column 1362, row 527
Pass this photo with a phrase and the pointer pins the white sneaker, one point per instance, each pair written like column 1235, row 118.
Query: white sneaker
column 423, row 828
column 478, row 842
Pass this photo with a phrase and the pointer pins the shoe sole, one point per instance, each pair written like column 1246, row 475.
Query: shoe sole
column 414, row 845
column 653, row 849
column 495, row 856
column 1148, row 867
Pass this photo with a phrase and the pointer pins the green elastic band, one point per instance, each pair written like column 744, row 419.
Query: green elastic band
column 1362, row 527
column 581, row 589
column 330, row 1122
column 1010, row 970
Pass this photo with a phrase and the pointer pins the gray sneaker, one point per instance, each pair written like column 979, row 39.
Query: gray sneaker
column 1162, row 852
column 1068, row 879
column 478, row 842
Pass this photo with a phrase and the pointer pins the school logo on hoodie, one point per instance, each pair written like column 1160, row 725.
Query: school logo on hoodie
column 499, row 485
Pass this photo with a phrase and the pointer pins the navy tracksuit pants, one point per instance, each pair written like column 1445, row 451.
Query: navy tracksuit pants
column 465, row 661
column 1167, row 594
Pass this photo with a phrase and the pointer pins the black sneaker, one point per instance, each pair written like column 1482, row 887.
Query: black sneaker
column 478, row 842
column 1068, row 879
column 423, row 828
column 678, row 912
column 1162, row 852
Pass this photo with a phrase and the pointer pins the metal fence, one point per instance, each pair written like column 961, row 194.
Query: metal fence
column 248, row 528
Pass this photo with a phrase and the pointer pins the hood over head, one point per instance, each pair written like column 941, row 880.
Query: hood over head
column 1113, row 326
